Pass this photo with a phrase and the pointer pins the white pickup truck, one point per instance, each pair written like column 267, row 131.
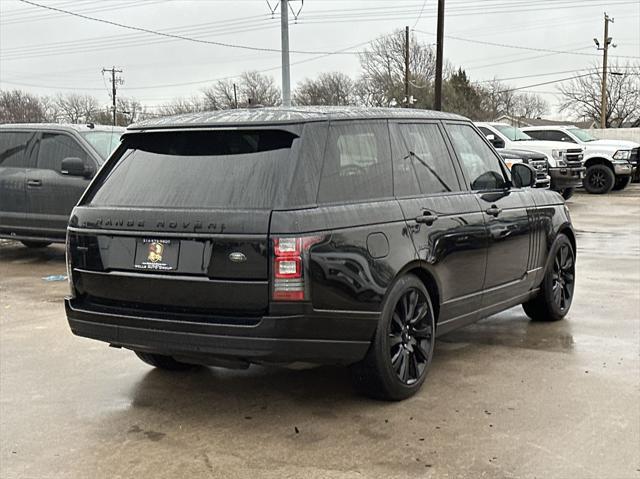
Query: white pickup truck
column 566, row 164
column 609, row 163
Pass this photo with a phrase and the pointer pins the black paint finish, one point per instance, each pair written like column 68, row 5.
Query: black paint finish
column 478, row 252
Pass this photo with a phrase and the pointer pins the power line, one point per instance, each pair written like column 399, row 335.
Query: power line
column 424, row 3
column 171, row 35
column 519, row 47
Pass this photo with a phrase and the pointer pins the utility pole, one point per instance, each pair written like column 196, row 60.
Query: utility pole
column 437, row 99
column 235, row 96
column 605, row 51
column 114, row 81
column 406, row 68
column 286, row 72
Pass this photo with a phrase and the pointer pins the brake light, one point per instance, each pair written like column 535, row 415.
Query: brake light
column 290, row 261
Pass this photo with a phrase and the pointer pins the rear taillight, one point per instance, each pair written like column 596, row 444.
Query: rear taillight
column 290, row 267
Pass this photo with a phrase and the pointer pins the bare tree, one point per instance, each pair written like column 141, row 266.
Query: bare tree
column 497, row 99
column 259, row 89
column 530, row 105
column 182, row 105
column 76, row 108
column 220, row 96
column 382, row 79
column 333, row 88
column 18, row 106
column 582, row 95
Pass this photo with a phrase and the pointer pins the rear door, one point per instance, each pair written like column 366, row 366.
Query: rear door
column 15, row 158
column 505, row 210
column 443, row 217
column 179, row 221
column 51, row 195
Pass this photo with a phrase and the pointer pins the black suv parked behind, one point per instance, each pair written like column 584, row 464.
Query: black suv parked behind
column 44, row 169
column 337, row 235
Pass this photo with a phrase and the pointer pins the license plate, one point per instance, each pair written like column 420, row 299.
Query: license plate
column 157, row 254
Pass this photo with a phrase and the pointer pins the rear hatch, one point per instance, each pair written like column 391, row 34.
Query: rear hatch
column 177, row 223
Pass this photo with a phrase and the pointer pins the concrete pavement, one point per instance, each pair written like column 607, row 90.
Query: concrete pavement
column 506, row 398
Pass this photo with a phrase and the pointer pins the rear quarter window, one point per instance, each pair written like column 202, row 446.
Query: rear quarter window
column 198, row 169
column 357, row 163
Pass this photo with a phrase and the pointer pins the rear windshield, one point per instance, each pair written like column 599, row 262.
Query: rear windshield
column 199, row 169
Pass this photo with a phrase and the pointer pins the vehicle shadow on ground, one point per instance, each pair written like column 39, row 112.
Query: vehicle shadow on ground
column 317, row 391
column 14, row 252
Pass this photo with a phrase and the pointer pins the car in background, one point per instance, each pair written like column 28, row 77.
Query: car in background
column 609, row 163
column 311, row 234
column 44, row 169
column 566, row 166
column 537, row 161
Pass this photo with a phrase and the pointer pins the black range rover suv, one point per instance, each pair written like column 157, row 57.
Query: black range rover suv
column 322, row 235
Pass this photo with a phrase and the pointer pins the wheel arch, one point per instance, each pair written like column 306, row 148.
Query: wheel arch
column 598, row 160
column 569, row 233
column 428, row 278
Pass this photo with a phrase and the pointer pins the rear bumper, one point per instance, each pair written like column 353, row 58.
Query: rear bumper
column 562, row 178
column 323, row 337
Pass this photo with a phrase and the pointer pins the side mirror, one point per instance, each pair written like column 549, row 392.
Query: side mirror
column 491, row 138
column 76, row 167
column 523, row 175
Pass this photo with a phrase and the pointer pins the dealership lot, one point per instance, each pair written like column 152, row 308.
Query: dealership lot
column 505, row 397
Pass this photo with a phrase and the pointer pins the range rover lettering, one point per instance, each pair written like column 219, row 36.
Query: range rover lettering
column 322, row 235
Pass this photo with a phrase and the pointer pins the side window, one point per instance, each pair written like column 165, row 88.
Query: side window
column 14, row 148
column 425, row 154
column 555, row 135
column 479, row 161
column 485, row 131
column 55, row 147
column 357, row 163
column 537, row 134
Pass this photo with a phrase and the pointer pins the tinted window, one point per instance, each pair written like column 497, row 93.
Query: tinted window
column 55, row 147
column 425, row 155
column 13, row 149
column 555, row 135
column 537, row 134
column 485, row 131
column 357, row 163
column 482, row 166
column 199, row 169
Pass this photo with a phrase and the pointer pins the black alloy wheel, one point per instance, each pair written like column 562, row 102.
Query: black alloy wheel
column 599, row 179
column 410, row 336
column 563, row 277
column 399, row 358
column 557, row 288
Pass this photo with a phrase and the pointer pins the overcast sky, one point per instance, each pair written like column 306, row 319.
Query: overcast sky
column 44, row 51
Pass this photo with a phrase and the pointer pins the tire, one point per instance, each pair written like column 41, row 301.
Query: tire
column 161, row 361
column 621, row 183
column 599, row 179
column 36, row 244
column 400, row 354
column 557, row 288
column 567, row 193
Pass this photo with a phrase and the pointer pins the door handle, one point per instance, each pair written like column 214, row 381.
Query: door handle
column 493, row 210
column 427, row 218
column 34, row 183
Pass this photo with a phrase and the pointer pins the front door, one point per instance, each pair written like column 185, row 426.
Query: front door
column 51, row 194
column 443, row 218
column 505, row 210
